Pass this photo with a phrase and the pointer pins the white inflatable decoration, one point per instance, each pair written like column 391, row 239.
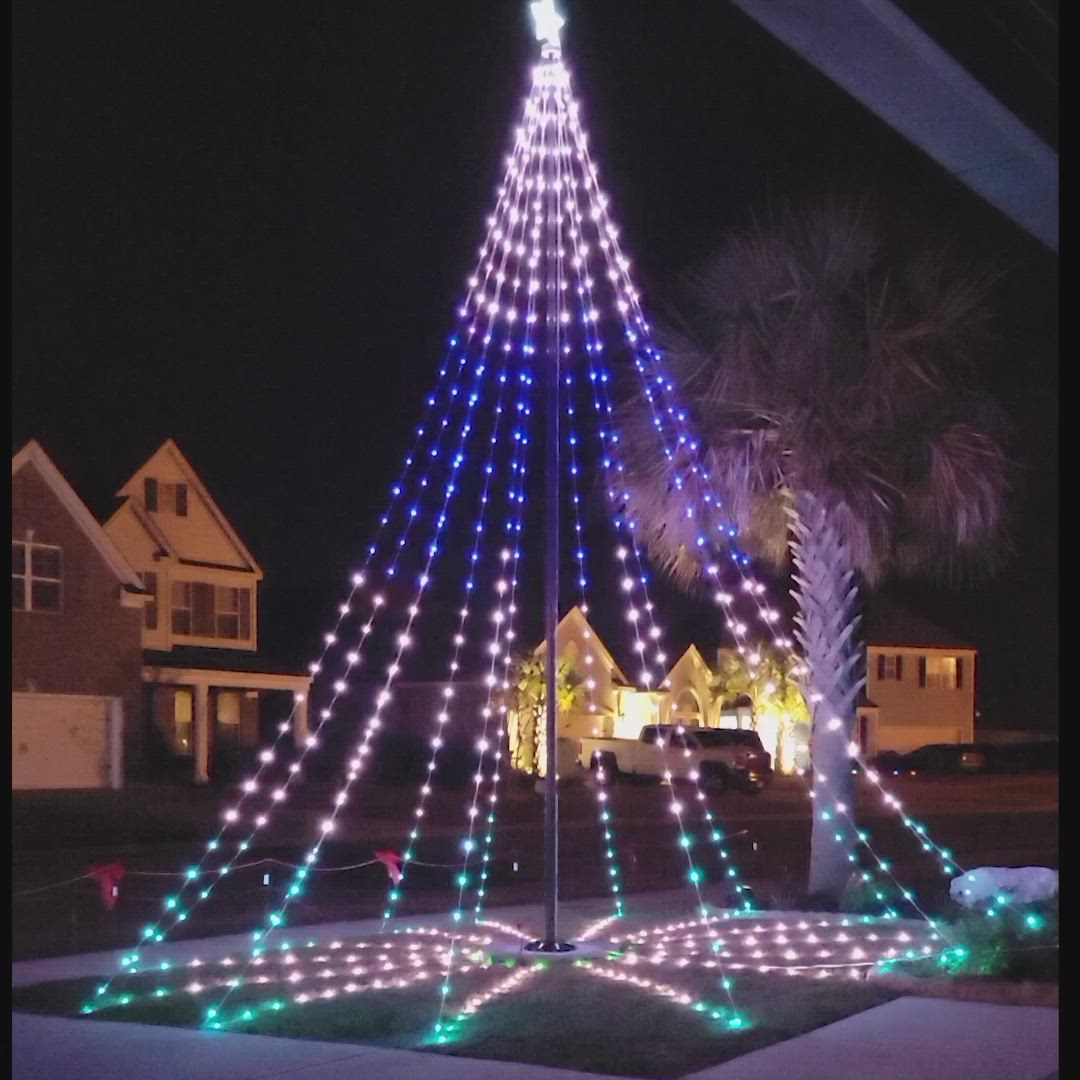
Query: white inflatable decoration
column 1021, row 884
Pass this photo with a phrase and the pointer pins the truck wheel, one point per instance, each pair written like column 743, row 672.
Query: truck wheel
column 610, row 765
column 714, row 778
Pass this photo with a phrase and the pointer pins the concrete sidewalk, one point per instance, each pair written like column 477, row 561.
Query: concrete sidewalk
column 912, row 1038
column 49, row 1047
column 907, row 1039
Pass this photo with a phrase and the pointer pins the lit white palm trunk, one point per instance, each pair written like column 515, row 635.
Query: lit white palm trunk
column 827, row 629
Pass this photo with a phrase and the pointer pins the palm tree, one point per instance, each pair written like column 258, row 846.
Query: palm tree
column 841, row 424
column 525, row 703
column 773, row 690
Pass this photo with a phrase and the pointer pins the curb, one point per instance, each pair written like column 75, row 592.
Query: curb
column 981, row 990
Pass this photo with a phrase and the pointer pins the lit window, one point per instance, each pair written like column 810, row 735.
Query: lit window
column 228, row 708
column 183, row 707
column 941, row 671
column 890, row 667
column 36, row 577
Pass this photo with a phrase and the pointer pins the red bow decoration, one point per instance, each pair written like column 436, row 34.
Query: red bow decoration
column 108, row 877
column 392, row 861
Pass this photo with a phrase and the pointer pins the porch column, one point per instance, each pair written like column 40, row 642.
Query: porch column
column 300, row 718
column 201, row 732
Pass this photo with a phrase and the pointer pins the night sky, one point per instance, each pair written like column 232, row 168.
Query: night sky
column 246, row 226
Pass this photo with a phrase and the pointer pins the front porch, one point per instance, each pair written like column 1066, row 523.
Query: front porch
column 203, row 712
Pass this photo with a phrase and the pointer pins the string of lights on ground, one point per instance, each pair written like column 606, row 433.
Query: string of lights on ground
column 457, row 514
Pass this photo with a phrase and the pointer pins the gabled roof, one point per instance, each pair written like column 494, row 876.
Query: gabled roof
column 576, row 617
column 144, row 518
column 890, row 624
column 194, row 482
column 33, row 454
column 695, row 654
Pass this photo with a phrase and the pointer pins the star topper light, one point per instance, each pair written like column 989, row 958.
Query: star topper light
column 548, row 23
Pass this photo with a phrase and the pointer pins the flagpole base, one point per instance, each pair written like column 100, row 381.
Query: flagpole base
column 543, row 946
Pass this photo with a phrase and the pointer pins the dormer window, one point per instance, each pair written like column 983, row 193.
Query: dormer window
column 166, row 498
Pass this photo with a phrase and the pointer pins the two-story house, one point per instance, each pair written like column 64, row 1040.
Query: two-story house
column 200, row 629
column 920, row 682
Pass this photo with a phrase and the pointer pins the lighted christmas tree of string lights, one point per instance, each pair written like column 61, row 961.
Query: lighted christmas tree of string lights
column 549, row 311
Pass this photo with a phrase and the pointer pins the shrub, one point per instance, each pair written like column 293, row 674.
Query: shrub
column 1009, row 941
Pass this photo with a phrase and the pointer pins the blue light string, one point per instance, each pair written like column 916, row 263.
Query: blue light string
column 694, row 875
column 277, row 918
column 514, row 527
column 520, row 464
column 396, row 890
column 157, row 932
column 679, row 419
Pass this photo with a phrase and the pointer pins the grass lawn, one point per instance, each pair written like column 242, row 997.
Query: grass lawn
column 555, row 1013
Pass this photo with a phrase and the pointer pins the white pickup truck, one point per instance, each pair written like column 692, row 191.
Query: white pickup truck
column 717, row 757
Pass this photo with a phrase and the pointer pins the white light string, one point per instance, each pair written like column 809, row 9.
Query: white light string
column 157, row 932
column 374, row 722
column 628, row 304
column 443, row 714
column 505, row 612
column 501, row 616
column 613, row 469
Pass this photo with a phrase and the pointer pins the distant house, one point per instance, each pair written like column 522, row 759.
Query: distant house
column 200, row 631
column 920, row 689
column 186, row 666
column 76, row 622
column 608, row 704
column 920, row 684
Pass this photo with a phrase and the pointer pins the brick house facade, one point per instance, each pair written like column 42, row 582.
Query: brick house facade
column 76, row 618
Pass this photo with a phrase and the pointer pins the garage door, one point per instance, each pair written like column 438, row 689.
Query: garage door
column 62, row 741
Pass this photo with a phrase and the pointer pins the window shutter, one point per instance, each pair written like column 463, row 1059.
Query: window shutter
column 959, row 673
column 202, row 603
column 150, row 493
column 922, row 670
column 245, row 614
column 150, row 610
column 899, row 668
column 181, row 500
column 881, row 666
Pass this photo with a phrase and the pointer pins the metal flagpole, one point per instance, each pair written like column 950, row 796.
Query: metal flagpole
column 548, row 23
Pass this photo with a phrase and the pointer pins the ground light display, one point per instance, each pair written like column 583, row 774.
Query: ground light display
column 522, row 410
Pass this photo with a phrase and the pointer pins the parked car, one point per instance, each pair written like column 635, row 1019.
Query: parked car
column 721, row 757
column 945, row 758
column 889, row 763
